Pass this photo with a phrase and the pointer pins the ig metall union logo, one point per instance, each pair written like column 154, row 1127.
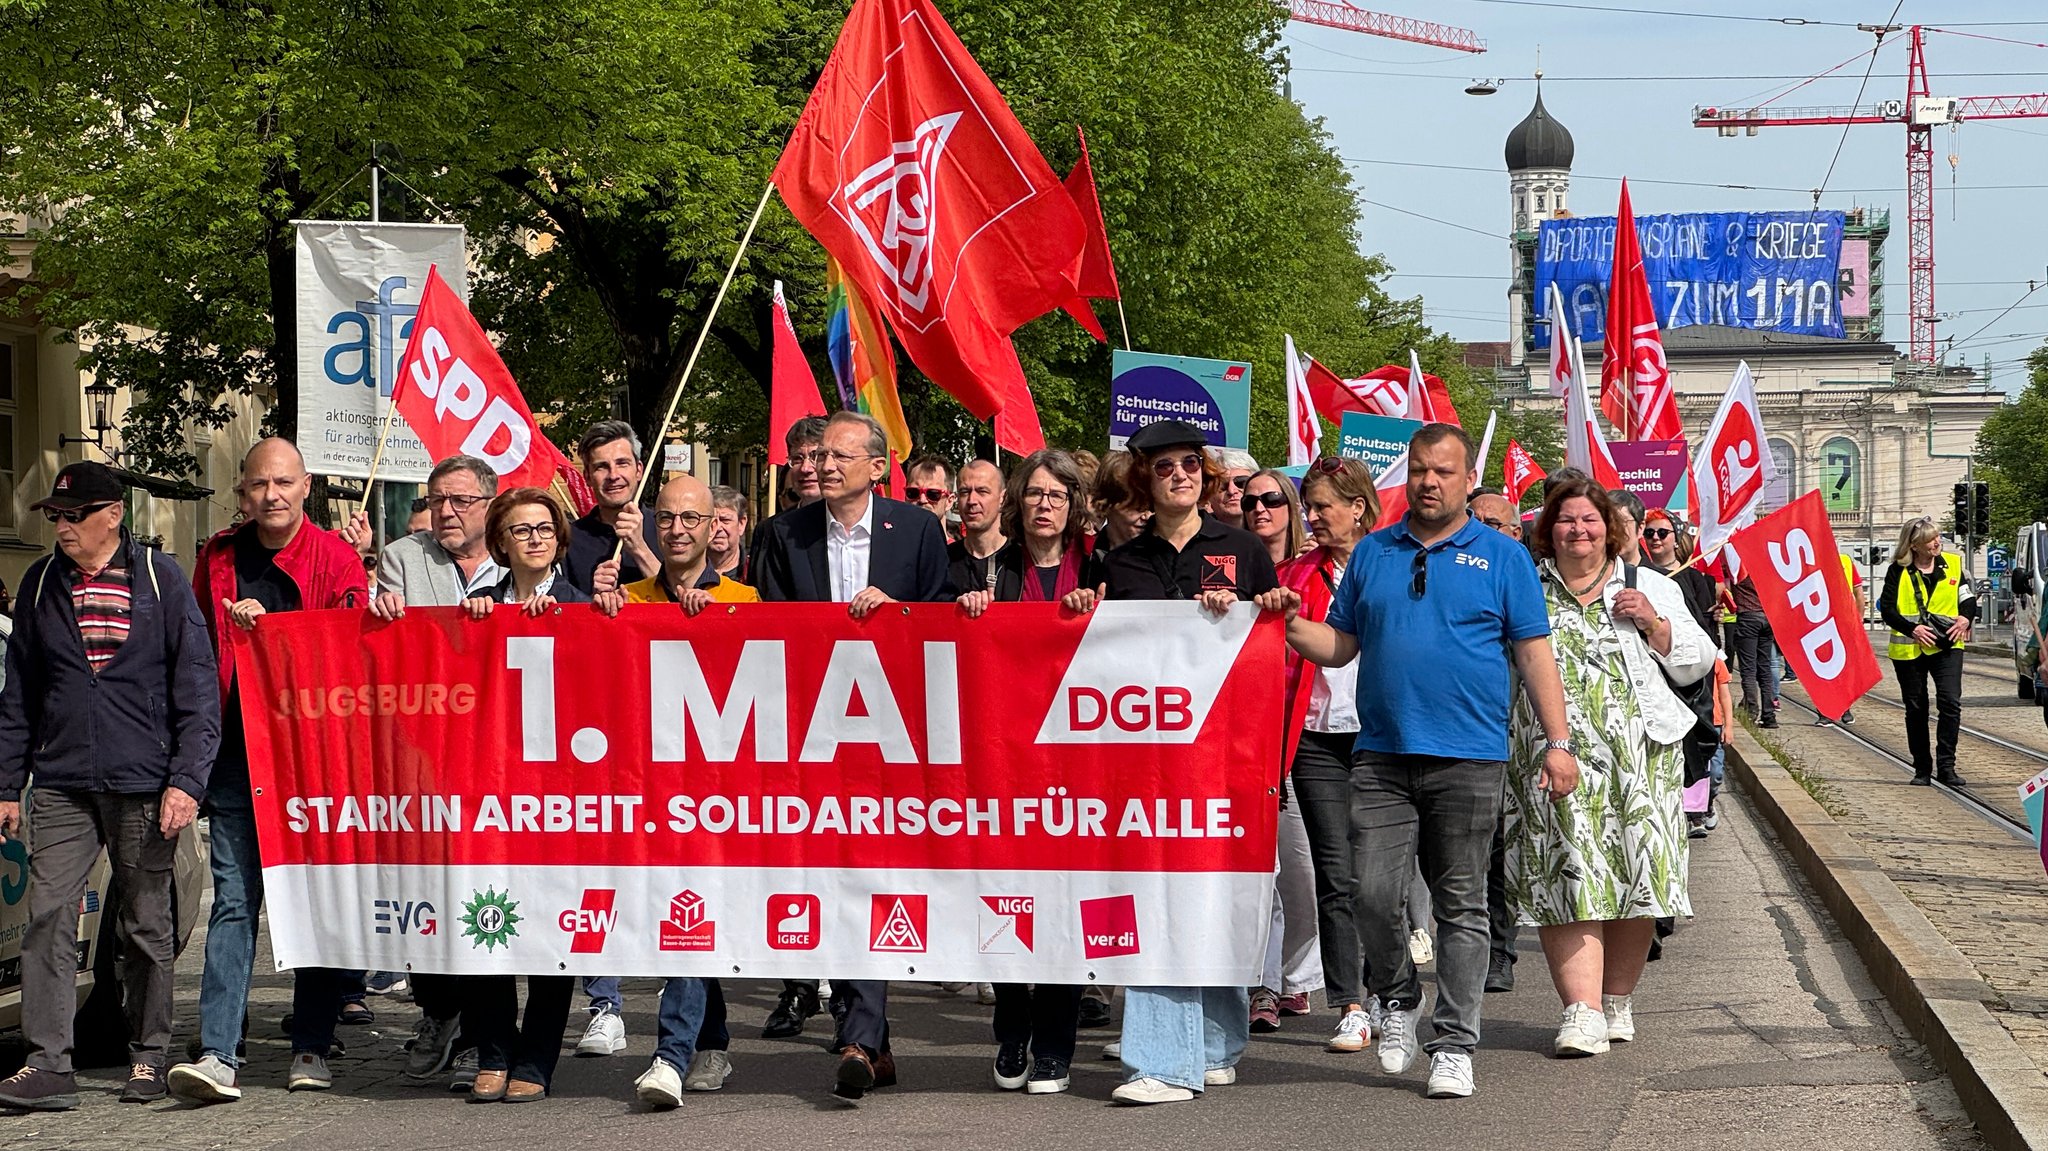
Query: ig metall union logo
column 490, row 918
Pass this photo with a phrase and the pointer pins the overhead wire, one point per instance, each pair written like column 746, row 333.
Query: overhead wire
column 1857, row 102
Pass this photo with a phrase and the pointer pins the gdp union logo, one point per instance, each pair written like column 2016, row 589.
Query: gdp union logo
column 490, row 918
column 380, row 327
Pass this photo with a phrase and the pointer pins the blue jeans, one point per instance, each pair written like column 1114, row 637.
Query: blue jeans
column 604, row 993
column 1174, row 1034
column 231, row 929
column 682, row 1015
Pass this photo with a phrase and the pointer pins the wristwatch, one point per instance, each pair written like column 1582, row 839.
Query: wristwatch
column 1563, row 745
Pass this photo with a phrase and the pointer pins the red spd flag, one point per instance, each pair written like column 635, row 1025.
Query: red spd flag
column 792, row 389
column 1522, row 472
column 1791, row 555
column 1384, row 391
column 460, row 398
column 1635, row 382
column 913, row 173
column 1032, row 796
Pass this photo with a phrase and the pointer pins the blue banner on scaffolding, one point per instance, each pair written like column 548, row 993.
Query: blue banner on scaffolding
column 1776, row 271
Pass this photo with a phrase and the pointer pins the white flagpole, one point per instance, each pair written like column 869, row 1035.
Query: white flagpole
column 1486, row 445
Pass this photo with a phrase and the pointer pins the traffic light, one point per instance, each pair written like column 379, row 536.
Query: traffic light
column 1962, row 508
column 1983, row 511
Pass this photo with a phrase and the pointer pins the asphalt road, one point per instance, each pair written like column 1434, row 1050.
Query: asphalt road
column 1758, row 1028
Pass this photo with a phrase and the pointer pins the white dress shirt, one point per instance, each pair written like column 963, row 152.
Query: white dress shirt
column 846, row 552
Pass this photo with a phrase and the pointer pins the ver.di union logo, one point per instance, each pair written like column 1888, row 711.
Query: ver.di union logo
column 490, row 918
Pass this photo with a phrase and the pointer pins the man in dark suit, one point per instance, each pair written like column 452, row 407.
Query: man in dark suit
column 860, row 549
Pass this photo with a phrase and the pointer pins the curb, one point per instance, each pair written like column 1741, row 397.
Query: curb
column 1927, row 981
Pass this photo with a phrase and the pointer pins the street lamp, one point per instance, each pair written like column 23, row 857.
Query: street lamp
column 101, row 395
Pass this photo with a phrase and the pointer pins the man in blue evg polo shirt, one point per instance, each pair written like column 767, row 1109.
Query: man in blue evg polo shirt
column 1435, row 609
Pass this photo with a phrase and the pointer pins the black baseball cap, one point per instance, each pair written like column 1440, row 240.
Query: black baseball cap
column 83, row 484
column 1166, row 434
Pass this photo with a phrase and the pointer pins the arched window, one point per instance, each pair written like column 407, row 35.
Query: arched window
column 1786, row 462
column 1841, row 475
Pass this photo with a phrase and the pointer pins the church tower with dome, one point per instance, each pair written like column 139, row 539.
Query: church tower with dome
column 1539, row 163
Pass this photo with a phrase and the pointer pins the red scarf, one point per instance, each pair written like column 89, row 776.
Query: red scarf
column 1069, row 578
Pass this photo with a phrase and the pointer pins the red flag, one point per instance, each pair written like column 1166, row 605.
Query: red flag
column 792, row 389
column 1392, row 487
column 1791, row 555
column 1635, row 383
column 913, row 173
column 1380, row 392
column 461, row 398
column 1522, row 470
column 576, row 486
column 1097, row 278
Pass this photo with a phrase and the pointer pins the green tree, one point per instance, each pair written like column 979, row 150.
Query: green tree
column 2009, row 455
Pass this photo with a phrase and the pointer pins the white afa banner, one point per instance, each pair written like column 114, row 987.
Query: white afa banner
column 359, row 286
column 771, row 790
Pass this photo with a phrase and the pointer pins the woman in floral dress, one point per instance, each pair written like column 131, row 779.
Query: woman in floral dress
column 1594, row 870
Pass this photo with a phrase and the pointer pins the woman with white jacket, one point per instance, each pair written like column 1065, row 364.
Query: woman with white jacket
column 1594, row 871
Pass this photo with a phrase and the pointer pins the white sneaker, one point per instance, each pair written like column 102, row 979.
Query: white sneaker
column 1219, row 1076
column 661, row 1085
column 1113, row 1051
column 1421, row 948
column 985, row 994
column 308, row 1073
column 1354, row 1031
column 1582, row 1031
column 708, row 1071
column 1149, row 1090
column 1397, row 1038
column 606, row 1035
column 210, row 1080
column 1450, row 1075
column 1621, row 1018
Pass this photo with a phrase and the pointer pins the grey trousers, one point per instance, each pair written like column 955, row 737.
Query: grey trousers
column 67, row 829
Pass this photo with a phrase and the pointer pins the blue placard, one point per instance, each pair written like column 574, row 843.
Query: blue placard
column 1214, row 395
column 1377, row 440
column 1777, row 271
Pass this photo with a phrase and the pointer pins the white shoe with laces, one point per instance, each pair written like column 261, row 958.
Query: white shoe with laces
column 1450, row 1075
column 1621, row 1017
column 661, row 1085
column 1581, row 1031
column 1397, row 1037
column 1219, row 1076
column 606, row 1035
column 1354, row 1031
column 1149, row 1090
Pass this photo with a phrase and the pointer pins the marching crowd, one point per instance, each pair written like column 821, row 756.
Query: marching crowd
column 1542, row 774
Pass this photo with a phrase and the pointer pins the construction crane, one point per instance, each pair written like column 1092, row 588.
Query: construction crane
column 1344, row 16
column 1921, row 112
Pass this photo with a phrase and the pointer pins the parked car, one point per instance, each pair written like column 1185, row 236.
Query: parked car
column 101, row 1035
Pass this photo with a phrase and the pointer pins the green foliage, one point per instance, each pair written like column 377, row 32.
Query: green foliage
column 2010, row 459
column 605, row 155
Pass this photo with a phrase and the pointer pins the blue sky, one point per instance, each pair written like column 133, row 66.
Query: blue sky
column 1390, row 106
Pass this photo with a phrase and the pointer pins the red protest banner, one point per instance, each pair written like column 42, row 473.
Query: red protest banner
column 763, row 789
column 1791, row 555
column 457, row 395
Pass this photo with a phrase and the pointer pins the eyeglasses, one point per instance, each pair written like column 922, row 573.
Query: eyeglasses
column 521, row 533
column 1274, row 500
column 843, row 459
column 1163, row 467
column 1658, row 533
column 691, row 521
column 926, row 495
column 1236, row 481
column 74, row 515
column 1050, row 497
column 1419, row 585
column 461, row 504
column 1331, row 465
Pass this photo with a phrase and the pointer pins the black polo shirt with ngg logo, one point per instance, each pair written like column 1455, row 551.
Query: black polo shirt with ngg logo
column 1219, row 557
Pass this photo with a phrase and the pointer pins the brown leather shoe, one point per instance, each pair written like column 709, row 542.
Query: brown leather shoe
column 489, row 1087
column 521, row 1091
column 856, row 1073
column 885, row 1069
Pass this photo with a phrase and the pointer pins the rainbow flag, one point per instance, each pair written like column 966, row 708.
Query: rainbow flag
column 863, row 362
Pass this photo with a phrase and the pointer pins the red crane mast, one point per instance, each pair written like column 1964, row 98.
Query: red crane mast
column 1921, row 112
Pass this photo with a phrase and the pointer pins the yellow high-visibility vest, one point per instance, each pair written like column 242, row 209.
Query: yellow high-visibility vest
column 1944, row 599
